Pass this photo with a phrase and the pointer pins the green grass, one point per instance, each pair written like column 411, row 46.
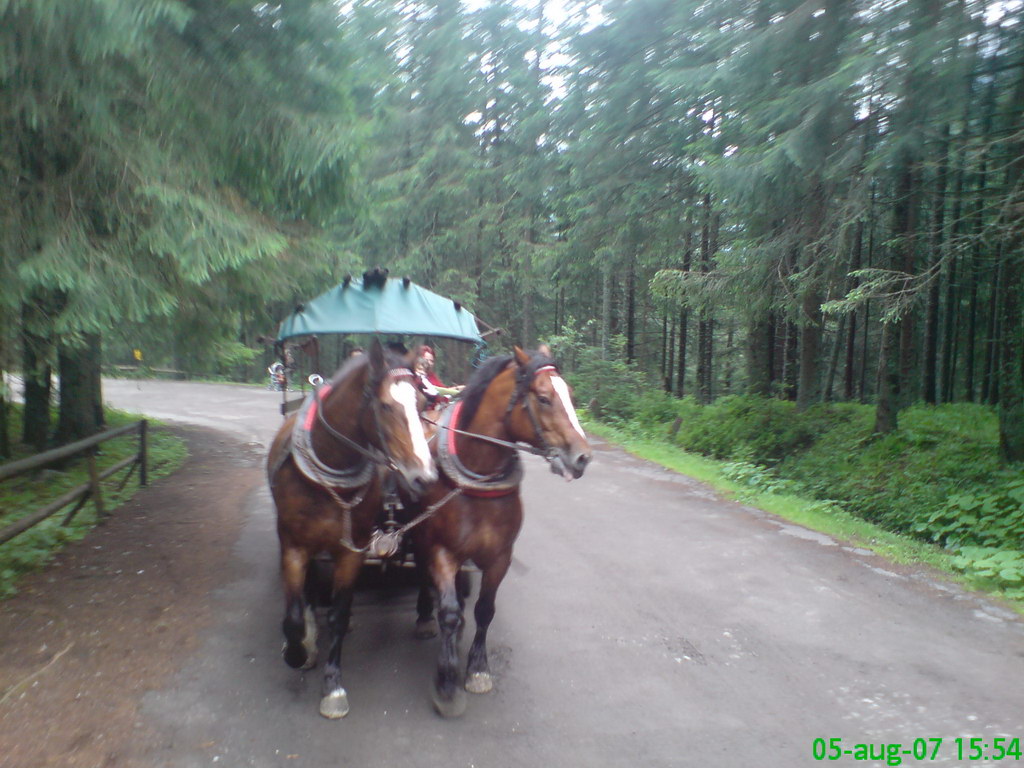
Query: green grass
column 26, row 493
column 826, row 517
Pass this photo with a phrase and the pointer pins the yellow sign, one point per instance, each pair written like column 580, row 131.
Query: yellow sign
column 137, row 354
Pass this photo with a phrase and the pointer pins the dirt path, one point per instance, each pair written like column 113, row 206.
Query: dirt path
column 117, row 612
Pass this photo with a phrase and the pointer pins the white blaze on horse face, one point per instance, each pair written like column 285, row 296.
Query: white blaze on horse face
column 405, row 394
column 562, row 390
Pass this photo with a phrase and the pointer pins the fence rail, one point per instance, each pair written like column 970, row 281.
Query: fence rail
column 82, row 493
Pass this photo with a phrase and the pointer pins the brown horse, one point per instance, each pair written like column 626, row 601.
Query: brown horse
column 326, row 469
column 518, row 398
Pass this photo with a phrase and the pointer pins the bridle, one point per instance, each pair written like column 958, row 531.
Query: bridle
column 523, row 388
column 382, row 455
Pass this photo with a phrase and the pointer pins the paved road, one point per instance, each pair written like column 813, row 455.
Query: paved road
column 647, row 623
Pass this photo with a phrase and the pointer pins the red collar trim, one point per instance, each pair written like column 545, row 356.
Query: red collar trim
column 318, row 397
column 456, row 410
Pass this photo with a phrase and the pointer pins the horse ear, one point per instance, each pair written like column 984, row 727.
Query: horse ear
column 545, row 350
column 522, row 358
column 376, row 356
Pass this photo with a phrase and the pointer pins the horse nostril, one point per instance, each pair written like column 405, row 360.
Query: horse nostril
column 421, row 482
column 581, row 463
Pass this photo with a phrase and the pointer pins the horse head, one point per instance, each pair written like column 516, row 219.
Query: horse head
column 542, row 414
column 395, row 427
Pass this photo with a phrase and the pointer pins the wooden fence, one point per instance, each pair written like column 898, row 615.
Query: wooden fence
column 82, row 493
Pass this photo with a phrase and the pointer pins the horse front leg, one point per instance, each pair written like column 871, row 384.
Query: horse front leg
column 448, row 696
column 299, row 623
column 334, row 702
column 478, row 671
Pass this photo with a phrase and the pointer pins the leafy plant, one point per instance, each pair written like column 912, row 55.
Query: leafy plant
column 989, row 519
column 755, row 477
column 992, row 567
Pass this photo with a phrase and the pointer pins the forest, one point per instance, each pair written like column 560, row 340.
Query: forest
column 791, row 207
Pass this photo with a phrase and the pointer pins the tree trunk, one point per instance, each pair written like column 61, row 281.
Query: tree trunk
column 849, row 371
column 759, row 357
column 684, row 313
column 730, row 351
column 951, row 320
column 833, row 363
column 36, row 349
column 606, row 309
column 905, row 232
column 5, row 441
column 669, row 366
column 810, row 345
column 989, row 373
column 791, row 361
column 888, row 378
column 1011, row 364
column 705, row 326
column 937, row 243
column 81, row 402
column 684, row 319
column 1011, row 369
column 631, row 311
column 974, row 264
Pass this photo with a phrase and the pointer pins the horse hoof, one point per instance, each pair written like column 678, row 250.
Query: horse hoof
column 426, row 629
column 334, row 705
column 449, row 708
column 480, row 682
column 297, row 657
column 310, row 660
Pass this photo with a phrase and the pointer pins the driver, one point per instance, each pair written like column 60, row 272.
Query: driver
column 431, row 384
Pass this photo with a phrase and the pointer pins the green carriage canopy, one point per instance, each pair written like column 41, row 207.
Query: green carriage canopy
column 385, row 306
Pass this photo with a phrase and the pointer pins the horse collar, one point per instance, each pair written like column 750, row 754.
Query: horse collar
column 305, row 456
column 501, row 483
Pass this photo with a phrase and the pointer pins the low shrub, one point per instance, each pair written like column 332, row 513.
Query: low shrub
column 993, row 568
column 980, row 516
column 937, row 477
column 607, row 386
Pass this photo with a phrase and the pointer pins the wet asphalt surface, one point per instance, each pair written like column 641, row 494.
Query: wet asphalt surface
column 646, row 622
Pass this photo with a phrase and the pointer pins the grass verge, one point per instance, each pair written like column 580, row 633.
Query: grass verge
column 823, row 516
column 26, row 493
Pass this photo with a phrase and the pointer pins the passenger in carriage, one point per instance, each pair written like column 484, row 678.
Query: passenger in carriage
column 437, row 393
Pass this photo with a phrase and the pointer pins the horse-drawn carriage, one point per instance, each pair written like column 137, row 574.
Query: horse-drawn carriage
column 356, row 473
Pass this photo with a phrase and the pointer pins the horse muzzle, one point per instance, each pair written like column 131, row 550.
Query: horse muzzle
column 418, row 480
column 569, row 464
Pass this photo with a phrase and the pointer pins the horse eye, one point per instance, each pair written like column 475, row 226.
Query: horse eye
column 543, row 400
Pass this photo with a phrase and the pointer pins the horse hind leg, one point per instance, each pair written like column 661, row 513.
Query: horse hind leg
column 299, row 623
column 478, row 671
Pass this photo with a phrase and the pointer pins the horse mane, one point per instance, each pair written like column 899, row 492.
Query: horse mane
column 473, row 394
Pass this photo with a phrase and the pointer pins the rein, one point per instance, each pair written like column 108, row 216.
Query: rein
column 524, row 447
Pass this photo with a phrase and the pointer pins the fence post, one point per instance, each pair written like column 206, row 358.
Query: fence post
column 143, row 454
column 94, row 481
